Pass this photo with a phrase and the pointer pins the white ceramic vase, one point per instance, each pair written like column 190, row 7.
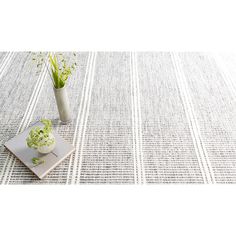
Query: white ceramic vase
column 63, row 104
column 47, row 149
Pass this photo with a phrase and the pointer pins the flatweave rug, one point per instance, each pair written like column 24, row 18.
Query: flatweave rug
column 138, row 117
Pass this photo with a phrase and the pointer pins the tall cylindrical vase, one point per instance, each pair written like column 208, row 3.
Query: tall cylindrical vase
column 63, row 104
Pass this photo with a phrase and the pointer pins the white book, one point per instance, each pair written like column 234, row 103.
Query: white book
column 19, row 148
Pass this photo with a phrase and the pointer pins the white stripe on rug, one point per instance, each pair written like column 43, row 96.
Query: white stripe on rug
column 136, row 115
column 204, row 163
column 83, row 123
column 86, row 119
column 33, row 100
column 139, row 123
column 78, row 123
column 10, row 162
column 6, row 62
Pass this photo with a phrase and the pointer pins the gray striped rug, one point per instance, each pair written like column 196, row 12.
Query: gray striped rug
column 138, row 118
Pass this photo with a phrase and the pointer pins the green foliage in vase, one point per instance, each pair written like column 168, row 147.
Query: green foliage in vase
column 40, row 136
column 59, row 70
column 61, row 73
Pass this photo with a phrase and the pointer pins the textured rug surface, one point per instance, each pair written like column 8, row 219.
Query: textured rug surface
column 138, row 117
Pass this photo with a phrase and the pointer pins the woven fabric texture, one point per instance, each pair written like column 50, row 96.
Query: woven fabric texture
column 138, row 117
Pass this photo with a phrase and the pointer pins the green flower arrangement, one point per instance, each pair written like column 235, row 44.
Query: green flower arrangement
column 59, row 70
column 41, row 136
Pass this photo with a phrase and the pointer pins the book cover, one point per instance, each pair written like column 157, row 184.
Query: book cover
column 18, row 146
